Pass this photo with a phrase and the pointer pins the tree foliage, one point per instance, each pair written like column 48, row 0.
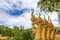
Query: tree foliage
column 18, row 33
column 49, row 5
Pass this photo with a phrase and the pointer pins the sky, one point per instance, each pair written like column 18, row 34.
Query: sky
column 18, row 12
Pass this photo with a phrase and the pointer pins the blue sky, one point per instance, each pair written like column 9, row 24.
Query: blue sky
column 17, row 12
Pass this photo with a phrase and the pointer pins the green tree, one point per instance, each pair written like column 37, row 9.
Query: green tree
column 18, row 32
column 49, row 6
column 27, row 34
column 22, row 34
column 16, row 28
column 6, row 31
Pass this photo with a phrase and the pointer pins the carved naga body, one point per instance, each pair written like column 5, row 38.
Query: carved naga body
column 44, row 30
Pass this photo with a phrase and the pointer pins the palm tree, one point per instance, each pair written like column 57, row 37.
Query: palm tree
column 50, row 6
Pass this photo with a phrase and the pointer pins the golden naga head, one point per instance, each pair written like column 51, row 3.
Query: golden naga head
column 33, row 18
column 50, row 24
column 39, row 19
column 45, row 21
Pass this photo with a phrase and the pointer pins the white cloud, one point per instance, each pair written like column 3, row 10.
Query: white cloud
column 8, row 20
column 23, row 19
column 8, row 4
